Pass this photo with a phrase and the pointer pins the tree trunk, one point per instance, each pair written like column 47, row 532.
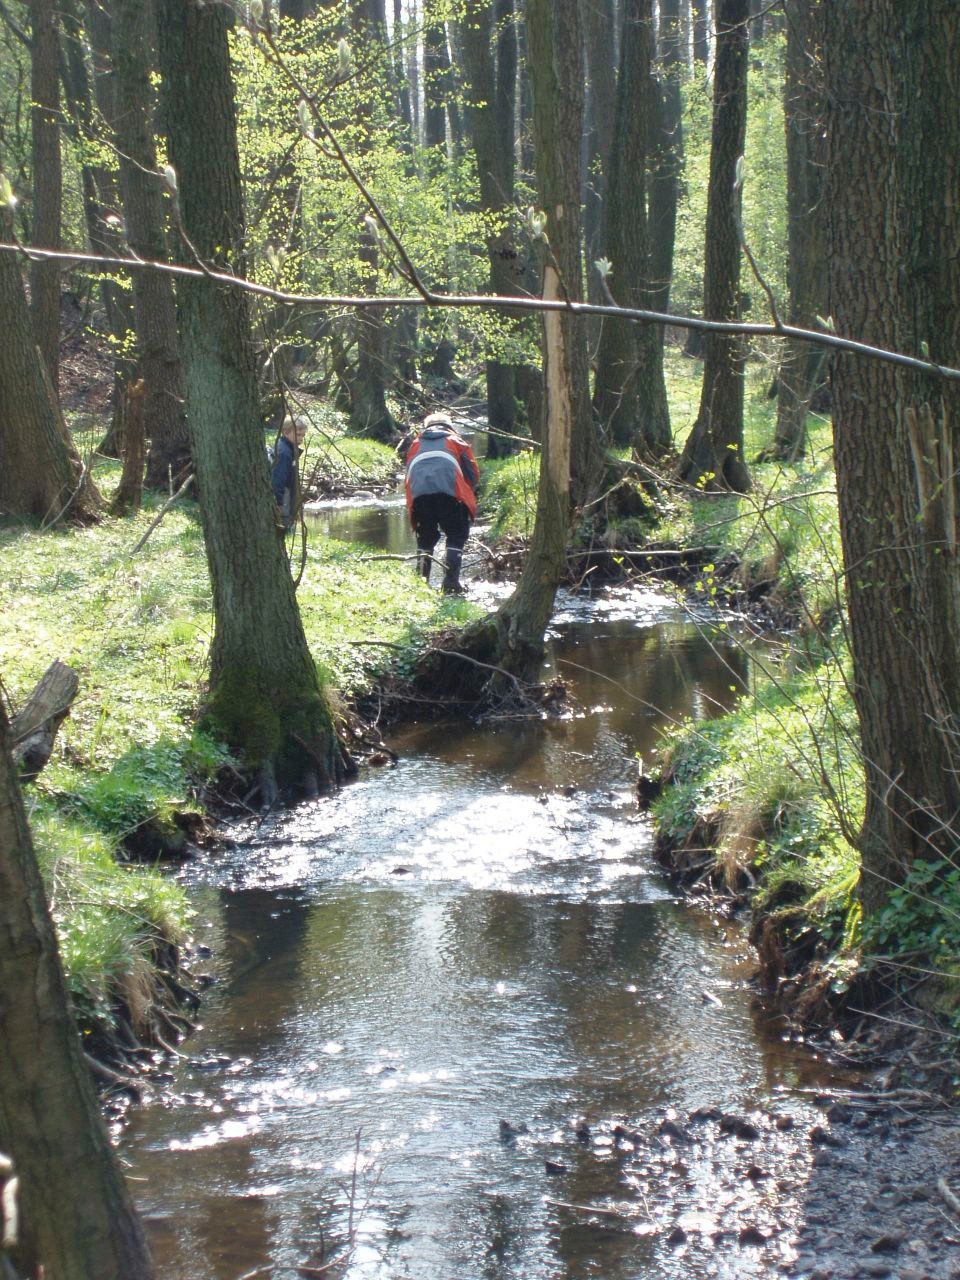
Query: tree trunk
column 42, row 476
column 486, row 26
column 47, row 181
column 554, row 56
column 890, row 73
column 369, row 415
column 78, row 1217
column 129, row 494
column 630, row 395
column 600, row 109
column 435, row 77
column 801, row 367
column 667, row 166
column 713, row 454
column 164, row 419
column 265, row 697
column 101, row 200
column 553, row 34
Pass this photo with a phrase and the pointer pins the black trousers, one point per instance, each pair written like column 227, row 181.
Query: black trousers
column 434, row 512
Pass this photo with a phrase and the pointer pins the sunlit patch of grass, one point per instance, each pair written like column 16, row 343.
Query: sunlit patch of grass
column 508, row 494
column 778, row 783
column 108, row 917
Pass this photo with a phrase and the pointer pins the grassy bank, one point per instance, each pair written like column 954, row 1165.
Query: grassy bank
column 129, row 770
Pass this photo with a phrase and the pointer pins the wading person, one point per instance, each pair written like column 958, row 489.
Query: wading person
column 441, row 482
column 285, row 476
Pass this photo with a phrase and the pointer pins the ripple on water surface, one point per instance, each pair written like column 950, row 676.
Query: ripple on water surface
column 435, row 983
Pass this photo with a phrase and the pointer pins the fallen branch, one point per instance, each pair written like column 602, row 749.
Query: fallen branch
column 163, row 511
column 34, row 729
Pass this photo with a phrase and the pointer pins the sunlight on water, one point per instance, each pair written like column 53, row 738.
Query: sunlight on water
column 434, row 984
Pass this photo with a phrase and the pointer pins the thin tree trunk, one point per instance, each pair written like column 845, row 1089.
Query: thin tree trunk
column 630, row 395
column 553, row 32
column 667, row 127
column 164, row 416
column 47, row 181
column 78, row 1218
column 801, row 367
column 490, row 105
column 713, row 454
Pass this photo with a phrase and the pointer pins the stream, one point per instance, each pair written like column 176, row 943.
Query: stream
column 456, row 1006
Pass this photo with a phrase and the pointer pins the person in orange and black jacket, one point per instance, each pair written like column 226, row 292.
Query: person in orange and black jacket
column 441, row 481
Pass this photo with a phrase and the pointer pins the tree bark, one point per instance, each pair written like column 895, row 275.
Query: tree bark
column 265, row 697
column 164, row 418
column 553, row 33
column 630, row 394
column 42, row 476
column 77, row 1213
column 801, row 366
column 667, row 165
column 890, row 72
column 47, row 181
column 713, row 454
column 485, row 28
column 34, row 728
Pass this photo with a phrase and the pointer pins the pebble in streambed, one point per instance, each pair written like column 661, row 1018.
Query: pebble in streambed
column 765, row 1194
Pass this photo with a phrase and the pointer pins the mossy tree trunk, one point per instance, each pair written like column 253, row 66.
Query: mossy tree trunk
column 78, row 1220
column 42, row 476
column 892, row 110
column 713, row 453
column 630, row 394
column 265, row 695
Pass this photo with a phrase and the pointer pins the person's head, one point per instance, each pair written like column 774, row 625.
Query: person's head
column 295, row 428
column 440, row 420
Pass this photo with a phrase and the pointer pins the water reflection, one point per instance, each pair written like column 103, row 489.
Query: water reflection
column 475, row 936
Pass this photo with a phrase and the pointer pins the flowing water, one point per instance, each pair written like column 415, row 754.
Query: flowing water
column 457, row 970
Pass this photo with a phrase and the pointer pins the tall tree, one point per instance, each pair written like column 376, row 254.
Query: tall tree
column 42, row 476
column 600, row 68
column 555, row 52
column 713, row 453
column 630, row 394
column 47, row 180
column 158, row 347
column 801, row 364
column 667, row 155
column 892, row 109
column 488, row 41
column 77, row 1215
column 264, row 695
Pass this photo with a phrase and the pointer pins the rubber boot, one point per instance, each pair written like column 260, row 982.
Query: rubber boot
column 424, row 564
column 451, row 578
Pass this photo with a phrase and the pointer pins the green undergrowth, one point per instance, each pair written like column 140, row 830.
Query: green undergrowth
column 129, row 767
column 764, row 803
column 784, row 533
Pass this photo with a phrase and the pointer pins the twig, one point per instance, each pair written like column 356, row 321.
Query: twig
column 163, row 511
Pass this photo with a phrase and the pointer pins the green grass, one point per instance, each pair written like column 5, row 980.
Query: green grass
column 137, row 629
